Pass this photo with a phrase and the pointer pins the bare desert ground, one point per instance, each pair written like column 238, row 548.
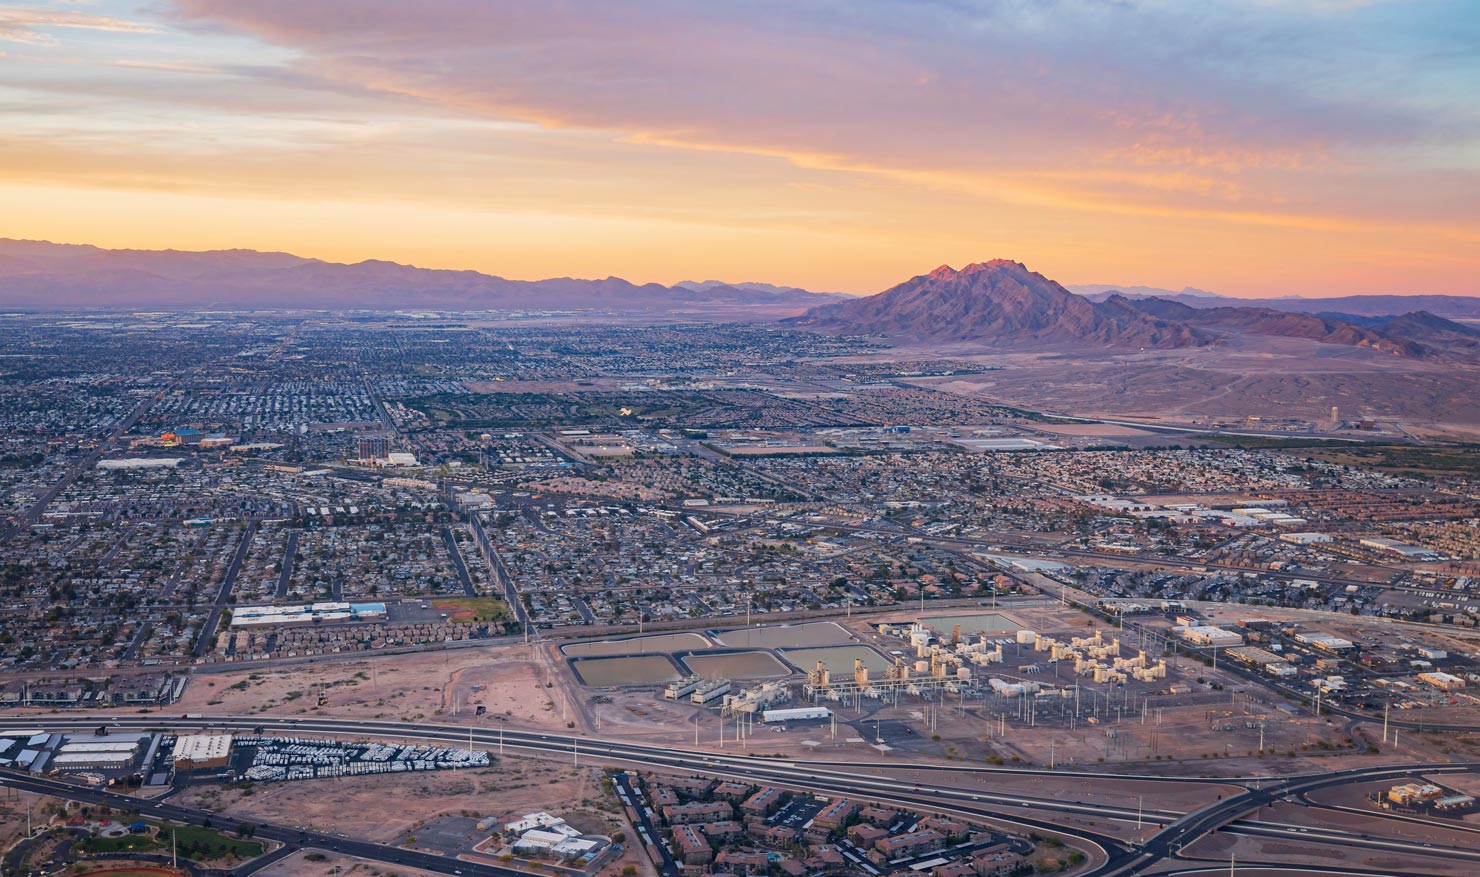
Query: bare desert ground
column 385, row 808
column 1269, row 377
column 512, row 682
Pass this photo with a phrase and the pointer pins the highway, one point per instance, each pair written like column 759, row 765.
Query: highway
column 1037, row 813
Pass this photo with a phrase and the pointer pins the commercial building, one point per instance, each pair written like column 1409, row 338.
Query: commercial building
column 1412, row 794
column 1441, row 681
column 1216, row 637
column 1305, row 538
column 1325, row 642
column 202, row 751
column 307, row 613
column 1409, row 552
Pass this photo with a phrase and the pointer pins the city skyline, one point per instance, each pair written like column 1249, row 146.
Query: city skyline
column 1254, row 149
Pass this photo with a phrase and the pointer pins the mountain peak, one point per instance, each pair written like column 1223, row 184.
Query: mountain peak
column 989, row 266
column 999, row 301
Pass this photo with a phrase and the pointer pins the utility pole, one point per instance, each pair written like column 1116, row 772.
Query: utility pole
column 575, row 751
column 1138, row 811
column 1385, row 721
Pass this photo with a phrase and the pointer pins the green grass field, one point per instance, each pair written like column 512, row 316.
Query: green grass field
column 476, row 609
column 133, row 843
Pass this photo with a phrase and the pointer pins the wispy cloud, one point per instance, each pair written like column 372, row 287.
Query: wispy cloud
column 33, row 25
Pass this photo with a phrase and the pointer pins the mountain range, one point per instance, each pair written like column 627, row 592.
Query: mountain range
column 1002, row 304
column 44, row 275
column 999, row 303
column 1457, row 307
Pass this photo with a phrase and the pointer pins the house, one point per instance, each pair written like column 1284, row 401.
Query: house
column 689, row 814
column 728, row 830
column 691, row 846
column 764, row 802
column 835, row 814
column 878, row 815
column 741, row 862
column 731, row 791
column 866, row 835
column 954, row 869
column 899, row 846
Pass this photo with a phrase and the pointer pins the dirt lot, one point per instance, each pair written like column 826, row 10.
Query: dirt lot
column 413, row 687
column 385, row 808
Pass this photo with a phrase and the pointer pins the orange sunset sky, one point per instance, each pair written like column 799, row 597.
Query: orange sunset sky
column 1251, row 147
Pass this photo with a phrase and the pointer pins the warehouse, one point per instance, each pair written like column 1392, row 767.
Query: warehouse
column 116, row 759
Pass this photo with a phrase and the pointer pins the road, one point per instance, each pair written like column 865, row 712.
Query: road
column 457, row 562
column 1037, row 813
column 285, row 575
column 649, row 833
column 223, row 596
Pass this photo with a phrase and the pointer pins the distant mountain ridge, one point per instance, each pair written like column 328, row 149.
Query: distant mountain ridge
column 704, row 285
column 1462, row 307
column 43, row 275
column 1101, row 291
column 1003, row 304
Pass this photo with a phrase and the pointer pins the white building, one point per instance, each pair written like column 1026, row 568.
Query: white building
column 1216, row 637
column 141, row 463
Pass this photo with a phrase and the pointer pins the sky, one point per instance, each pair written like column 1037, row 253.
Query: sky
column 1251, row 147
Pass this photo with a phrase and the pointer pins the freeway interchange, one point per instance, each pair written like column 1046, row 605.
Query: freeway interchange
column 931, row 788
